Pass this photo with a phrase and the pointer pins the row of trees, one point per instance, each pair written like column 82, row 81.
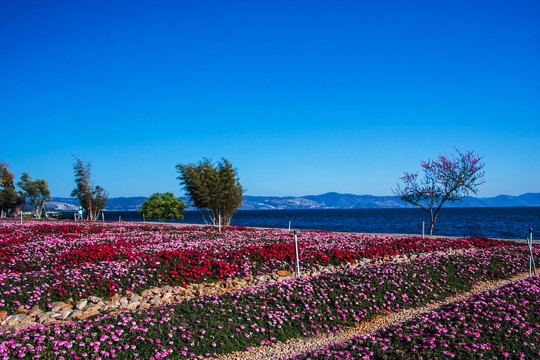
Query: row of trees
column 215, row 189
column 91, row 198
column 36, row 191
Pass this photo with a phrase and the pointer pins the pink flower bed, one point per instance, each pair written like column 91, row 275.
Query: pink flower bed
column 41, row 262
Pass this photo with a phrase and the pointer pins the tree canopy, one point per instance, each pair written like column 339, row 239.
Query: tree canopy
column 445, row 179
column 213, row 188
column 92, row 198
column 10, row 199
column 163, row 207
column 37, row 191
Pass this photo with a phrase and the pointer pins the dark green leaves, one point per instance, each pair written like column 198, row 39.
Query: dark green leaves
column 163, row 207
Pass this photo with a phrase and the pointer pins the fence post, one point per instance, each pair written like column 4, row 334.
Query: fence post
column 423, row 225
column 296, row 254
column 532, row 265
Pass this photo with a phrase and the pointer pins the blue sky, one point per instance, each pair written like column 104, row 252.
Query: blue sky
column 303, row 97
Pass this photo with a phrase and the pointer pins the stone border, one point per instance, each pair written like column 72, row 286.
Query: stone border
column 69, row 311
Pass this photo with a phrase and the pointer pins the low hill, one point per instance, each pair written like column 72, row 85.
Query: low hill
column 330, row 200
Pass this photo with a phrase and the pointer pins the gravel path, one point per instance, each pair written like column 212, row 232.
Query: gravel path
column 281, row 350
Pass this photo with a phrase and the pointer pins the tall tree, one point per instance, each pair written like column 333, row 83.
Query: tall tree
column 163, row 207
column 446, row 179
column 92, row 198
column 37, row 191
column 10, row 199
column 213, row 188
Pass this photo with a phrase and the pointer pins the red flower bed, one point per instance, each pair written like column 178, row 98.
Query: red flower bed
column 96, row 253
column 191, row 266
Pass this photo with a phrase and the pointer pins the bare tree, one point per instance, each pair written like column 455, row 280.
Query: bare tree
column 445, row 179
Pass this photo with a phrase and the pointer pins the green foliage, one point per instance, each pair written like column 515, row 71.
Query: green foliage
column 214, row 188
column 36, row 190
column 163, row 207
column 10, row 199
column 92, row 198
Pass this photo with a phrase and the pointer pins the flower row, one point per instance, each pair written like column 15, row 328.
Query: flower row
column 211, row 325
column 42, row 262
column 501, row 324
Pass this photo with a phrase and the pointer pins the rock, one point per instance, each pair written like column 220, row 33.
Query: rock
column 81, row 304
column 133, row 305
column 123, row 302
column 249, row 278
column 90, row 312
column 58, row 305
column 144, row 306
column 155, row 300
column 49, row 321
column 94, row 299
column 35, row 311
column 129, row 292
column 57, row 316
column 75, row 314
column 147, row 293
column 115, row 297
column 167, row 288
column 3, row 315
column 24, row 325
column 135, row 297
column 285, row 273
column 65, row 313
column 14, row 319
column 22, row 309
column 181, row 292
column 155, row 290
column 44, row 316
column 229, row 287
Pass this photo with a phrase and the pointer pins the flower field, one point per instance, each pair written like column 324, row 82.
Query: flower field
column 502, row 324
column 41, row 263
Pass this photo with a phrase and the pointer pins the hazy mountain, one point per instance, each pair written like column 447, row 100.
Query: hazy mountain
column 330, row 200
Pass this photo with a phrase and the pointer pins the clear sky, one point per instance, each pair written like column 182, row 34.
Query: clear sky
column 303, row 97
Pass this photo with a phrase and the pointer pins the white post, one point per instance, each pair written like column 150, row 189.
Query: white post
column 296, row 254
column 423, row 223
column 289, row 225
column 142, row 217
column 103, row 217
column 75, row 216
column 21, row 217
column 119, row 218
column 532, row 265
column 219, row 222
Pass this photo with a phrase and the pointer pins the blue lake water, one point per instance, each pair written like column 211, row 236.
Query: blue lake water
column 504, row 222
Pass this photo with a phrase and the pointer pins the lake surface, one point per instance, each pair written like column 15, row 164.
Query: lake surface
column 504, row 222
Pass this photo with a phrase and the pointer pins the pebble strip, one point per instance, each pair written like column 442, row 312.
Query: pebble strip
column 283, row 350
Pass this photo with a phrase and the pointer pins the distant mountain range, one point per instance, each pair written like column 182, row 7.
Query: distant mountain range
column 330, row 200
